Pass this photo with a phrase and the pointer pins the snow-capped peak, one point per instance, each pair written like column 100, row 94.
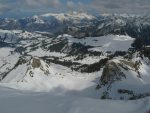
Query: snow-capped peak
column 69, row 16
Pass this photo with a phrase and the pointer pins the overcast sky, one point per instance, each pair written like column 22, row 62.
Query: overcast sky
column 30, row 7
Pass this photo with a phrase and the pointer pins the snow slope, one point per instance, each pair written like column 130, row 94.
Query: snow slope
column 126, row 79
column 8, row 59
column 12, row 101
column 58, row 76
column 103, row 43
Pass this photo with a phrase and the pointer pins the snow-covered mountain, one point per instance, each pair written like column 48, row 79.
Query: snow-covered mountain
column 80, row 56
column 82, row 24
column 126, row 78
column 47, row 22
column 74, row 17
column 110, row 56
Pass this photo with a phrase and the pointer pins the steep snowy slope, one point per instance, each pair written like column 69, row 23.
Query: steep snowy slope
column 26, row 69
column 125, row 78
column 8, row 59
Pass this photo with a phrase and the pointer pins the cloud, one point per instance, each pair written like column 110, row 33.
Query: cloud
column 77, row 6
column 70, row 5
column 42, row 3
column 13, row 6
column 101, row 6
column 121, row 6
column 4, row 7
column 55, row 3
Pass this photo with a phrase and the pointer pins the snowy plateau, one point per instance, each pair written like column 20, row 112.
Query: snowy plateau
column 75, row 63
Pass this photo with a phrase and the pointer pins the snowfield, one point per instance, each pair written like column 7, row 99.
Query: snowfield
column 14, row 101
column 62, row 91
column 103, row 43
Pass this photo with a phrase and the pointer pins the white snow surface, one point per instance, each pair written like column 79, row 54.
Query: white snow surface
column 54, row 101
column 104, row 43
column 62, row 91
column 7, row 59
column 74, row 16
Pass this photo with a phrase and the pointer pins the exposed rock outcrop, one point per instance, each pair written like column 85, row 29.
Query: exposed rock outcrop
column 36, row 63
column 111, row 73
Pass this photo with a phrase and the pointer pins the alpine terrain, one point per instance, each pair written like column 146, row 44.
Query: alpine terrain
column 75, row 63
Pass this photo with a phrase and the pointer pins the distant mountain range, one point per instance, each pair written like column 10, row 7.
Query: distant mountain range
column 82, row 24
